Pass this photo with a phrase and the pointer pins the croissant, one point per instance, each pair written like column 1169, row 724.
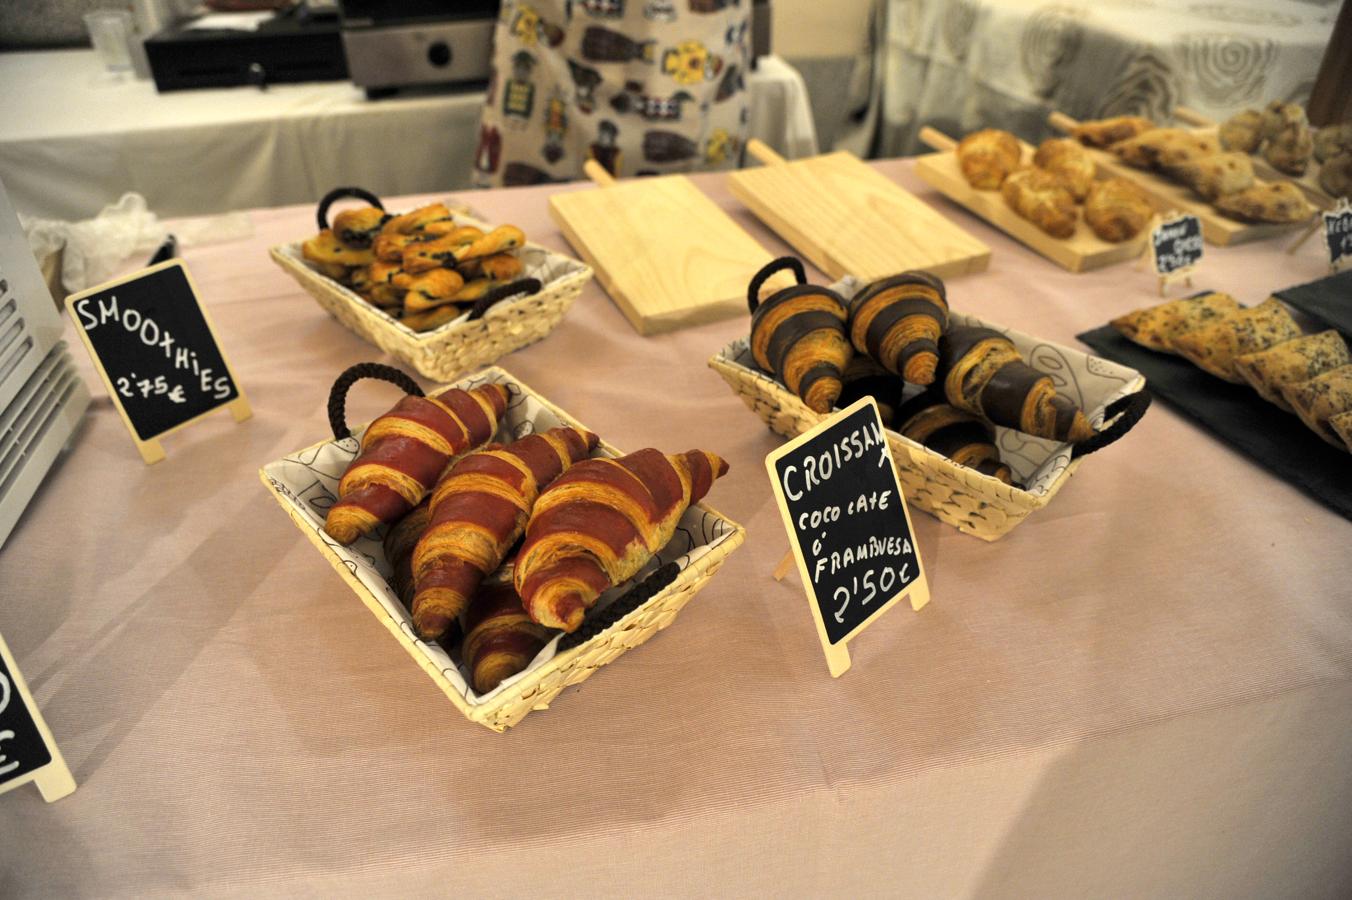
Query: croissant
column 1117, row 209
column 865, row 378
column 1290, row 362
column 1279, row 202
column 798, row 334
column 1320, row 399
column 500, row 639
column 1043, row 199
column 1068, row 160
column 1213, row 348
column 1342, row 426
column 1104, row 132
column 600, row 523
column 898, row 320
column 986, row 157
column 931, row 421
column 1212, row 176
column 404, row 452
column 1156, row 327
column 982, row 373
column 479, row 509
column 1242, row 132
column 399, row 544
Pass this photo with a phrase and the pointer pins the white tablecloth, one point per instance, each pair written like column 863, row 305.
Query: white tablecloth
column 71, row 143
column 960, row 65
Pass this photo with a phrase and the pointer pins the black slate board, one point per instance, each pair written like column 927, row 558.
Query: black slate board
column 1274, row 439
column 22, row 748
column 1328, row 299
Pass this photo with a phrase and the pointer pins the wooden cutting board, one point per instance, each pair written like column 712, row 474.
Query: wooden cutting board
column 1167, row 196
column 849, row 219
column 1081, row 252
column 668, row 255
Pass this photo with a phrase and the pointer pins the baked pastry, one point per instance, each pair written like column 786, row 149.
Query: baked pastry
column 1215, row 347
column 500, row 639
column 325, row 248
column 1289, row 142
column 1117, row 209
column 1164, row 148
column 417, row 219
column 897, row 321
column 428, row 289
column 1242, row 132
column 1212, row 176
column 982, row 373
column 357, row 228
column 1332, row 140
column 1320, row 399
column 499, row 240
column 865, row 378
column 1105, row 132
column 421, row 256
column 399, row 544
column 986, row 157
column 478, row 510
column 496, row 269
column 1156, row 327
column 1301, row 359
column 931, row 421
column 1277, row 202
column 798, row 335
column 404, row 452
column 389, row 248
column 1342, row 426
column 1335, row 176
column 600, row 523
column 1043, row 199
column 1067, row 159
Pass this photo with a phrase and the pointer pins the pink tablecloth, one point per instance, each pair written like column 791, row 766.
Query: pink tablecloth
column 1144, row 690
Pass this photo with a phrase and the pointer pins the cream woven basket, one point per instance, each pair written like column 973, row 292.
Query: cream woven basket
column 305, row 484
column 974, row 503
column 463, row 344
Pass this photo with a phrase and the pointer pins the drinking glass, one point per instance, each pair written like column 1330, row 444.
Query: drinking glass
column 110, row 30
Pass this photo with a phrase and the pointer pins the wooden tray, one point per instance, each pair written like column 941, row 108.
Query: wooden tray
column 1081, row 252
column 849, row 219
column 668, row 255
column 1308, row 183
column 1168, row 196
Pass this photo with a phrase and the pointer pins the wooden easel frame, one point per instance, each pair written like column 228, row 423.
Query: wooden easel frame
column 918, row 592
column 151, row 450
column 54, row 779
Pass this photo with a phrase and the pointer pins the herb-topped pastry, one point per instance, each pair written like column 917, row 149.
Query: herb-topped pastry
column 1214, row 348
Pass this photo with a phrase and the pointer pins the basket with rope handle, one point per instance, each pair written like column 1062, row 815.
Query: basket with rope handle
column 489, row 331
column 304, row 482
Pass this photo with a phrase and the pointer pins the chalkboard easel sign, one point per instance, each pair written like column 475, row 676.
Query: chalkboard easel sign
column 27, row 751
column 1338, row 234
column 153, row 344
column 848, row 525
column 1176, row 248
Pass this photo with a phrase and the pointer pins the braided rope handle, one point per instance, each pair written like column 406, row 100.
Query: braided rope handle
column 322, row 213
column 778, row 265
column 521, row 286
column 635, row 597
column 353, row 374
column 1129, row 410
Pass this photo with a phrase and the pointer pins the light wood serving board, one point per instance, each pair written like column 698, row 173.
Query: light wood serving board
column 1166, row 196
column 849, row 219
column 1081, row 252
column 668, row 255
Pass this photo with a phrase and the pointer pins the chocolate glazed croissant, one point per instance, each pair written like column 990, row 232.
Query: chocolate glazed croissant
column 983, row 374
column 600, row 523
column 898, row 321
column 478, row 511
column 798, row 334
column 500, row 639
column 405, row 451
column 931, row 421
column 399, row 544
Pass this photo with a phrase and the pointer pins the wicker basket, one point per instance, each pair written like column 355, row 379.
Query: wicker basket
column 974, row 503
column 304, row 484
column 461, row 345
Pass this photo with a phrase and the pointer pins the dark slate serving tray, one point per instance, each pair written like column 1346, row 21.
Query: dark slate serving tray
column 1328, row 299
column 1274, row 439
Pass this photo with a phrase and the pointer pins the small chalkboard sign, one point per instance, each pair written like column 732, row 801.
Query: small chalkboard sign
column 155, row 348
column 1338, row 233
column 1176, row 245
column 848, row 525
column 27, row 751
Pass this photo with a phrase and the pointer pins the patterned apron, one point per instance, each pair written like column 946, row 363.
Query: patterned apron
column 641, row 86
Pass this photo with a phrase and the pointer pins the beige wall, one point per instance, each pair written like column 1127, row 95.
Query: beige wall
column 810, row 29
